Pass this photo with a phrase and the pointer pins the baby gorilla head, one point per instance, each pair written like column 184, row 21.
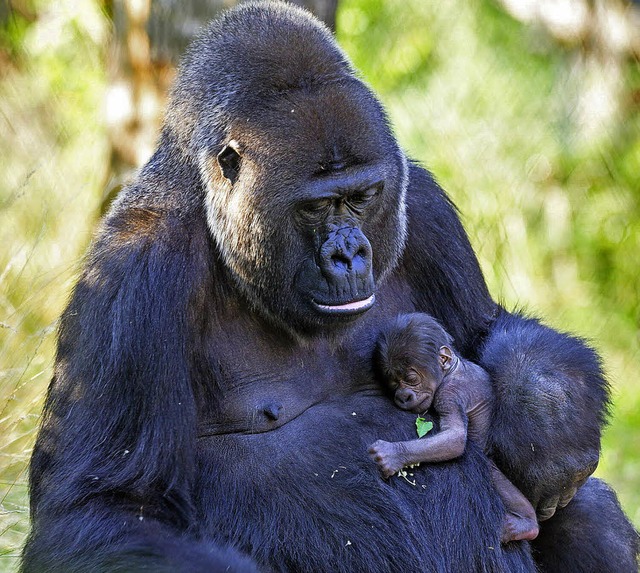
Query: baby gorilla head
column 413, row 356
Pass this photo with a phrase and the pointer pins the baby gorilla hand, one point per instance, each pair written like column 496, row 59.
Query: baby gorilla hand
column 388, row 456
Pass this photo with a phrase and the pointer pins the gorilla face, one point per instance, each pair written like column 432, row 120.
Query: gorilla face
column 307, row 211
column 305, row 182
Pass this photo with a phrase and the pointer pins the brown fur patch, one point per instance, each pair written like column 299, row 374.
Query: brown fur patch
column 135, row 225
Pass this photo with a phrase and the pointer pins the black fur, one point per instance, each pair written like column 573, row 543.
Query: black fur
column 202, row 415
column 522, row 355
column 587, row 536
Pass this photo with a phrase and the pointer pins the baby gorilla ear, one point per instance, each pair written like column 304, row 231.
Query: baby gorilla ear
column 446, row 356
column 229, row 161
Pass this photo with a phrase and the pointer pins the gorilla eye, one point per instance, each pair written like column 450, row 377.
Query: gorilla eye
column 412, row 378
column 229, row 161
column 315, row 209
column 362, row 198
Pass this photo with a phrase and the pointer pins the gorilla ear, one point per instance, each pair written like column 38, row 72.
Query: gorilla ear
column 446, row 356
column 229, row 161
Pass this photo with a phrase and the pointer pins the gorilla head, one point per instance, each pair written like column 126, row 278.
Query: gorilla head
column 305, row 182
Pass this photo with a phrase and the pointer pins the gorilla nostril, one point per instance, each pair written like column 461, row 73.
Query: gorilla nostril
column 340, row 260
column 362, row 256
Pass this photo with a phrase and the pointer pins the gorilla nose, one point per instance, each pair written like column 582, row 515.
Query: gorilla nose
column 404, row 398
column 345, row 252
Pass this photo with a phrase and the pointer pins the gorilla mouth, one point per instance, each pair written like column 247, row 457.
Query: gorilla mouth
column 354, row 307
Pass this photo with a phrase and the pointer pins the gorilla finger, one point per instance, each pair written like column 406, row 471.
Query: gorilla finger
column 567, row 497
column 546, row 513
column 547, row 508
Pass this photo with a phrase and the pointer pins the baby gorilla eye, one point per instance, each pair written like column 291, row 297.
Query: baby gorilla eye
column 412, row 378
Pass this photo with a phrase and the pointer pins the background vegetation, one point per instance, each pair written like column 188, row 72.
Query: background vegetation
column 536, row 139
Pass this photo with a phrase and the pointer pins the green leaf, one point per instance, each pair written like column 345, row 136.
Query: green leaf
column 422, row 426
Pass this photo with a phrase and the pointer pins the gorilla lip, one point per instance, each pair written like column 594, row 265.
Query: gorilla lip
column 347, row 308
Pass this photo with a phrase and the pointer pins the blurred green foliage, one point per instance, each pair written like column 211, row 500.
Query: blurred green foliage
column 54, row 160
column 551, row 200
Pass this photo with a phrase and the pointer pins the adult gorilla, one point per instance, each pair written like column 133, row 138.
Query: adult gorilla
column 213, row 392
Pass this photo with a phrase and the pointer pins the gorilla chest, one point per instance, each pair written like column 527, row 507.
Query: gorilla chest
column 265, row 383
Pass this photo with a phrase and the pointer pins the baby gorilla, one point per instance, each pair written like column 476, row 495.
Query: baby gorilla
column 416, row 360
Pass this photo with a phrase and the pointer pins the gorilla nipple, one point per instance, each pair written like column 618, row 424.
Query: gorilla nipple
column 272, row 410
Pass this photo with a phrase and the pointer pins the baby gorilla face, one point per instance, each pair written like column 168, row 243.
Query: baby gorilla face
column 414, row 391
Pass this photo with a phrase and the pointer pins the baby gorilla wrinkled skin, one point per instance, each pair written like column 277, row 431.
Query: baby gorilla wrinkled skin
column 419, row 366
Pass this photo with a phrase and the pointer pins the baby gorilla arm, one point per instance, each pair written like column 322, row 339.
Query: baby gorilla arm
column 447, row 444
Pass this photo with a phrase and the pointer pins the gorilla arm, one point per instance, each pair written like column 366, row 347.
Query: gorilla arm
column 112, row 468
column 551, row 403
column 551, row 397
